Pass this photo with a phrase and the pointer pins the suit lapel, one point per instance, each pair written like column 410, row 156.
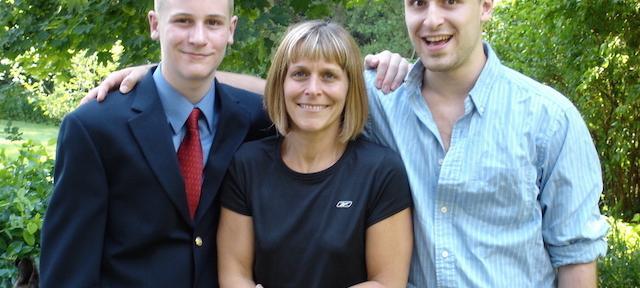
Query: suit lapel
column 153, row 135
column 231, row 131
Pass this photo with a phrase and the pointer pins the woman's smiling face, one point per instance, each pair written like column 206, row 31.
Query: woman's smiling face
column 315, row 94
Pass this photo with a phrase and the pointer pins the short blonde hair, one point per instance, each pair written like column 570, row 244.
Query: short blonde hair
column 318, row 40
column 157, row 4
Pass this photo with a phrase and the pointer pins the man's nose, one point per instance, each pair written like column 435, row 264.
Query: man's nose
column 197, row 35
column 433, row 16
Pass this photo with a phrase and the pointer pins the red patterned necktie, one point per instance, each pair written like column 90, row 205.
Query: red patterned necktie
column 190, row 158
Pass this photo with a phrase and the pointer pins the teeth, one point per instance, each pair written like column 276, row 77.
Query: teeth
column 436, row 38
column 312, row 107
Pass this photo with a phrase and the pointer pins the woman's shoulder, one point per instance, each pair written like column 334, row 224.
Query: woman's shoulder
column 375, row 154
column 362, row 145
column 257, row 149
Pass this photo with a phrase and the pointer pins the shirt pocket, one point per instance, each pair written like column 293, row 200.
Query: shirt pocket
column 502, row 195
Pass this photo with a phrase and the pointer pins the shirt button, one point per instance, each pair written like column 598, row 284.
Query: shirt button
column 440, row 161
column 198, row 241
column 445, row 254
column 444, row 209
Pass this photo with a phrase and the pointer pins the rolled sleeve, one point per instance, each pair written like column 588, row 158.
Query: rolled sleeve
column 583, row 251
column 573, row 229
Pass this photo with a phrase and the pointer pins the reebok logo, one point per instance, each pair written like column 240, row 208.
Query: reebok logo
column 344, row 204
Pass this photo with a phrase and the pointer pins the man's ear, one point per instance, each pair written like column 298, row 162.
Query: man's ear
column 153, row 25
column 487, row 10
column 233, row 21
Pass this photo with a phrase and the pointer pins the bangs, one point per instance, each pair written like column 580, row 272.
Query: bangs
column 321, row 43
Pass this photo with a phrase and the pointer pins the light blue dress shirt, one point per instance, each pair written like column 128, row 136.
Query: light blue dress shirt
column 515, row 196
column 178, row 108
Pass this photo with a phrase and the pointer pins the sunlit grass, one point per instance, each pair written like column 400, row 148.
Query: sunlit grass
column 39, row 133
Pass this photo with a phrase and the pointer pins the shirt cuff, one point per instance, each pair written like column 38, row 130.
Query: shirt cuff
column 577, row 253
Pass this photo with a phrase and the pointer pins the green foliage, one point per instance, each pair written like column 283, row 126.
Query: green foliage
column 621, row 266
column 44, row 34
column 374, row 24
column 13, row 133
column 15, row 104
column 37, row 132
column 57, row 29
column 590, row 51
column 57, row 57
column 25, row 184
column 57, row 49
column 55, row 95
column 262, row 23
column 379, row 25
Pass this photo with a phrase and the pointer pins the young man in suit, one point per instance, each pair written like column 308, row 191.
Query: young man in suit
column 136, row 178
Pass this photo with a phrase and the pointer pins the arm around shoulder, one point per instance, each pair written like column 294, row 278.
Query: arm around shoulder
column 242, row 81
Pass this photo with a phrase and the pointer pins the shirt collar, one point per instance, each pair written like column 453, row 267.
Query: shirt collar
column 489, row 75
column 178, row 108
column 480, row 92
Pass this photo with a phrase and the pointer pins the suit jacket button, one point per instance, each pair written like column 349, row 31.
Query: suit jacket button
column 198, row 241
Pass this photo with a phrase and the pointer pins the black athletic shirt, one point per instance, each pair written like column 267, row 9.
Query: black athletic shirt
column 310, row 228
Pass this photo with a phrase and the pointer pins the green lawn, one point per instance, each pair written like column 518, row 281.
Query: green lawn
column 40, row 133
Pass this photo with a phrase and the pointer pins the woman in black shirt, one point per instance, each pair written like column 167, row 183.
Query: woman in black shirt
column 318, row 206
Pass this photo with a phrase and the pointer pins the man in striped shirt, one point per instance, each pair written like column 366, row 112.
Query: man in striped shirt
column 503, row 171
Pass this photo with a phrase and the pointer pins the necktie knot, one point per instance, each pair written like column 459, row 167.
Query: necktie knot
column 192, row 121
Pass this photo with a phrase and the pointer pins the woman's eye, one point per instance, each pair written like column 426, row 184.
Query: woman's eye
column 298, row 74
column 329, row 76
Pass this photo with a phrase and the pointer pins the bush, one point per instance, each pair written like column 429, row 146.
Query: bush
column 590, row 51
column 379, row 25
column 25, row 184
column 56, row 94
column 14, row 105
column 375, row 25
column 621, row 266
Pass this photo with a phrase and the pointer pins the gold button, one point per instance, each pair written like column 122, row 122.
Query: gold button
column 198, row 241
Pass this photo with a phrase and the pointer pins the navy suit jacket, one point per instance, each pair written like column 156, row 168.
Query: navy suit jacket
column 118, row 216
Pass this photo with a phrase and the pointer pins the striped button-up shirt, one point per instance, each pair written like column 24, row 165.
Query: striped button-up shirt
column 516, row 194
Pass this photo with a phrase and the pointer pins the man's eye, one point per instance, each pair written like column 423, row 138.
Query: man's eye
column 214, row 22
column 452, row 2
column 417, row 3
